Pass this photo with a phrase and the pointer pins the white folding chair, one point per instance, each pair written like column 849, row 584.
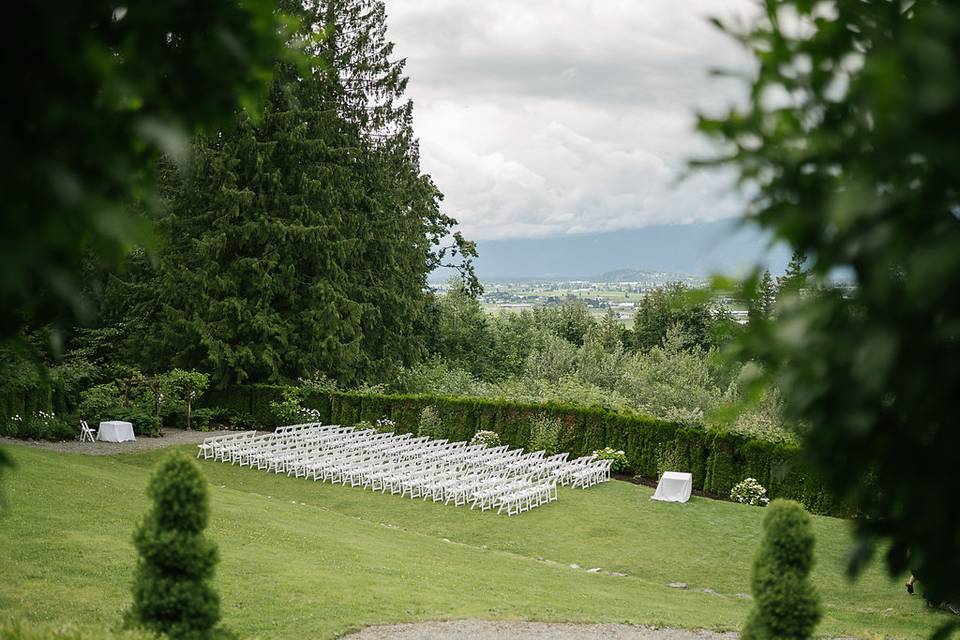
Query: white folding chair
column 86, row 433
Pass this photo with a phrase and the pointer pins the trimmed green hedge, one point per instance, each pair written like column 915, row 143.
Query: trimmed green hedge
column 27, row 401
column 717, row 459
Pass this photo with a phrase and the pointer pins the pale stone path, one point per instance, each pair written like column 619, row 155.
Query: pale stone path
column 171, row 437
column 484, row 630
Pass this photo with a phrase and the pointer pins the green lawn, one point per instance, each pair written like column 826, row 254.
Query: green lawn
column 305, row 559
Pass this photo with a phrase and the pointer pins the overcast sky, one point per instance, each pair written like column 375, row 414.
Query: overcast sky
column 553, row 117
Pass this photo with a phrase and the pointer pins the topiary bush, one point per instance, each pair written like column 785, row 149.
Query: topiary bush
column 172, row 590
column 429, row 425
column 786, row 607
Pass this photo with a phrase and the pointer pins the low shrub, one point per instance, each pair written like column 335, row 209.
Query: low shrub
column 41, row 425
column 200, row 420
column 486, row 438
column 243, row 421
column 751, row 492
column 173, row 415
column 290, row 409
column 429, row 425
column 620, row 462
column 385, row 425
column 143, row 421
column 544, row 434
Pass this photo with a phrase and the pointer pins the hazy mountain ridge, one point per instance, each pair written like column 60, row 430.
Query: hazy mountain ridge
column 696, row 249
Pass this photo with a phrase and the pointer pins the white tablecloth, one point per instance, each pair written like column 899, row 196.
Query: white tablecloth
column 674, row 487
column 115, row 431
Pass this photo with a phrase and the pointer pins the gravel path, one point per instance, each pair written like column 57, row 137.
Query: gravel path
column 483, row 630
column 171, row 437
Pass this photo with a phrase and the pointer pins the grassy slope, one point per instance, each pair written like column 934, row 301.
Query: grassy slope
column 304, row 559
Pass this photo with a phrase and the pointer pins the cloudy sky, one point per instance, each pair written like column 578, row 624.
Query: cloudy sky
column 553, row 117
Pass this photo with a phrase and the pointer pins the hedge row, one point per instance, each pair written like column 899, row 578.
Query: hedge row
column 27, row 401
column 717, row 459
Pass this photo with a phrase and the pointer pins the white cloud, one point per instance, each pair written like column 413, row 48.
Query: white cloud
column 548, row 117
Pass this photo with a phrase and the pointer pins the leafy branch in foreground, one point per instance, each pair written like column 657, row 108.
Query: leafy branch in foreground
column 850, row 148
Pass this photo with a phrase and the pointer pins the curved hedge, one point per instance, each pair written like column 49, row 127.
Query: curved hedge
column 717, row 459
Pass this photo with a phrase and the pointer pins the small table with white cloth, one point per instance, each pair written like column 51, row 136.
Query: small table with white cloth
column 674, row 487
column 115, row 431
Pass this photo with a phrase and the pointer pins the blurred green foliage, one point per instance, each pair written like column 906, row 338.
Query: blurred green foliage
column 98, row 91
column 850, row 148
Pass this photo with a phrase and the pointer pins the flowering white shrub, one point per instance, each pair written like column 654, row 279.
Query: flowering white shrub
column 310, row 414
column 486, row 438
column 750, row 492
column 619, row 458
column 385, row 424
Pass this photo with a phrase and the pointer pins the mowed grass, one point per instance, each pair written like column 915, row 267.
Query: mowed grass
column 306, row 559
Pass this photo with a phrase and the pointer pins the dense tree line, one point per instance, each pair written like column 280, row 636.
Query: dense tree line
column 670, row 363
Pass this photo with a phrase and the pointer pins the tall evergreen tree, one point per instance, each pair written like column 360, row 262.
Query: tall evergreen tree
column 301, row 242
column 795, row 277
column 761, row 306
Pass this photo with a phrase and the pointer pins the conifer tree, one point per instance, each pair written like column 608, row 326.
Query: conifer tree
column 795, row 277
column 785, row 605
column 301, row 243
column 172, row 593
column 761, row 307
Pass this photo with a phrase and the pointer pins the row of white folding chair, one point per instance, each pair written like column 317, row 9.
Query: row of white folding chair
column 529, row 497
column 546, row 467
column 591, row 474
column 488, row 496
column 310, row 460
column 209, row 446
column 266, row 451
column 293, row 429
column 224, row 450
column 565, row 473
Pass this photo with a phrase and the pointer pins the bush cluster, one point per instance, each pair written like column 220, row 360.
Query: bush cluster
column 620, row 462
column 486, row 438
column 40, row 425
column 751, row 492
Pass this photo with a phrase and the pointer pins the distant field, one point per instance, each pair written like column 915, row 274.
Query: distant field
column 310, row 560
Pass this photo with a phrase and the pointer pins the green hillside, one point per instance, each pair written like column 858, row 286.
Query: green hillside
column 305, row 559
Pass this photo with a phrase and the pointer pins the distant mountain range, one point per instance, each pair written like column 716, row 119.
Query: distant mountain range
column 697, row 249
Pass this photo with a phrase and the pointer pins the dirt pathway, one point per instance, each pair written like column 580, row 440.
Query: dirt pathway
column 171, row 437
column 483, row 630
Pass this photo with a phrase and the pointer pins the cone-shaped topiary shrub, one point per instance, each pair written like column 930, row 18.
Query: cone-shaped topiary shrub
column 172, row 593
column 785, row 605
